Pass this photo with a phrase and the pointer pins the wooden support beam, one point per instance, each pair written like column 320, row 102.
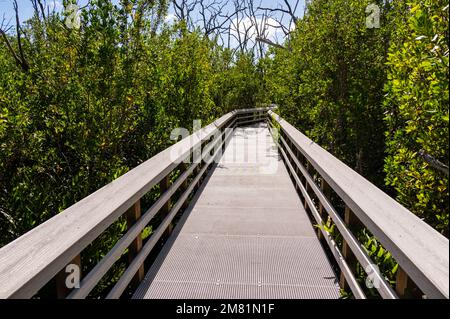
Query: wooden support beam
column 163, row 186
column 222, row 136
column 62, row 291
column 310, row 170
column 184, row 185
column 352, row 222
column 132, row 215
column 297, row 170
column 405, row 287
column 326, row 190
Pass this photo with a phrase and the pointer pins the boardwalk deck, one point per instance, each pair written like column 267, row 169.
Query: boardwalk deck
column 244, row 235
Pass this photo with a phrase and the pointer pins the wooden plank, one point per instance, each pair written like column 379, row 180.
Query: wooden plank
column 384, row 289
column 351, row 279
column 250, row 121
column 30, row 261
column 231, row 248
column 94, row 276
column 420, row 250
column 123, row 282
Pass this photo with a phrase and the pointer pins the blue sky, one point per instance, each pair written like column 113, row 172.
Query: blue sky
column 25, row 8
column 26, row 11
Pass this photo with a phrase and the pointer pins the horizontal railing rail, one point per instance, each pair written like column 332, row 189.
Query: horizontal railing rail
column 34, row 259
column 31, row 261
column 421, row 252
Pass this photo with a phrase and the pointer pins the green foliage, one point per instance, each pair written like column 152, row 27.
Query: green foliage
column 330, row 84
column 100, row 100
column 375, row 98
column 417, row 111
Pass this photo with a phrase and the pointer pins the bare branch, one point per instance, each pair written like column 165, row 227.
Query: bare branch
column 23, row 62
column 267, row 41
column 433, row 162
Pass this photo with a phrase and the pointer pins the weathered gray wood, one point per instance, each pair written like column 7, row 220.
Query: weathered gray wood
column 239, row 124
column 246, row 117
column 30, row 261
column 384, row 288
column 252, row 110
column 343, row 265
column 245, row 234
column 421, row 251
column 124, row 280
column 94, row 276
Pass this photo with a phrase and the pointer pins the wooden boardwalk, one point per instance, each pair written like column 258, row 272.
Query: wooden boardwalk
column 244, row 235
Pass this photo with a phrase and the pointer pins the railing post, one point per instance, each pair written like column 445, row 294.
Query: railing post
column 405, row 287
column 62, row 291
column 309, row 169
column 297, row 169
column 132, row 215
column 184, row 185
column 352, row 222
column 326, row 190
column 222, row 136
column 164, row 184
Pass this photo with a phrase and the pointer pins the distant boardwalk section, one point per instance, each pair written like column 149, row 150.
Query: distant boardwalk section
column 245, row 235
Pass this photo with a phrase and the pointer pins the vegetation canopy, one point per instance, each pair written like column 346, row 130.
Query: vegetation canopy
column 83, row 103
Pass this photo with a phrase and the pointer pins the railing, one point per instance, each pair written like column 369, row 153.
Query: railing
column 38, row 257
column 421, row 252
column 33, row 260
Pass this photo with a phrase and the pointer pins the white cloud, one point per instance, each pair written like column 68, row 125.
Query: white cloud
column 170, row 18
column 292, row 26
column 270, row 31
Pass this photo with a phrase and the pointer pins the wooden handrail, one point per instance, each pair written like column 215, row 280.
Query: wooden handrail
column 32, row 260
column 421, row 252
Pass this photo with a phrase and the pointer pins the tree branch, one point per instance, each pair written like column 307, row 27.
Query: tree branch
column 267, row 41
column 436, row 164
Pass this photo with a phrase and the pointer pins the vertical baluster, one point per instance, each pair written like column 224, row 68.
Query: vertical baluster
column 185, row 184
column 297, row 169
column 405, row 287
column 223, row 133
column 353, row 223
column 164, row 184
column 326, row 190
column 288, row 156
column 310, row 171
column 132, row 215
